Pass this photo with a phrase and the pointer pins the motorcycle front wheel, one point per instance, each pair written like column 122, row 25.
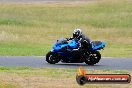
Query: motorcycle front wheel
column 52, row 58
column 93, row 58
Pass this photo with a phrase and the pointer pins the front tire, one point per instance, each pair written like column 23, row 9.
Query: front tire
column 52, row 58
column 93, row 58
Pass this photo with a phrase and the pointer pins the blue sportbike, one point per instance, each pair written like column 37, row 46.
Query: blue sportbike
column 74, row 51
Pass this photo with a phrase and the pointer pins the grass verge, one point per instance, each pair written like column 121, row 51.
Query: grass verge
column 27, row 77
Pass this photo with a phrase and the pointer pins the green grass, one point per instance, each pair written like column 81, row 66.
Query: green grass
column 55, row 72
column 23, row 49
column 8, row 85
column 30, row 29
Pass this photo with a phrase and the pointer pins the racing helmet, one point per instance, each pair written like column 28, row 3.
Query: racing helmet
column 76, row 33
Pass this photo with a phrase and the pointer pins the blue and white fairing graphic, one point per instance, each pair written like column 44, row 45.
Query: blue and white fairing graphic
column 97, row 45
column 73, row 44
column 61, row 43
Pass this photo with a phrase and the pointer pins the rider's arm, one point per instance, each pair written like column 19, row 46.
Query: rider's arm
column 69, row 38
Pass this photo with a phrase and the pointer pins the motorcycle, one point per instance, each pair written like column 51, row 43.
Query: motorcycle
column 73, row 51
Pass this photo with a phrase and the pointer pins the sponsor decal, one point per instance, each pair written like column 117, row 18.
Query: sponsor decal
column 83, row 78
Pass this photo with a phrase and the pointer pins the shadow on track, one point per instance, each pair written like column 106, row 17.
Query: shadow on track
column 74, row 65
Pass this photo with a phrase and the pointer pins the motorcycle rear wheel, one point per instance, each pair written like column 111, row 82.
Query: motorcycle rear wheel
column 52, row 58
column 93, row 58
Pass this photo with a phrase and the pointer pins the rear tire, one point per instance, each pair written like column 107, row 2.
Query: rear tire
column 52, row 57
column 93, row 58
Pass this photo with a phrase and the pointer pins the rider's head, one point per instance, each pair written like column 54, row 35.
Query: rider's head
column 77, row 33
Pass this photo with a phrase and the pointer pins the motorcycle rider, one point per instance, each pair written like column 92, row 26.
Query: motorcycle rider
column 77, row 34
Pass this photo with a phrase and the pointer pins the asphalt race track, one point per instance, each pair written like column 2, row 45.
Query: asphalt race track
column 39, row 62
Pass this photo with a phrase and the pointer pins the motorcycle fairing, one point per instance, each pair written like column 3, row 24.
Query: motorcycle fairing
column 97, row 45
column 58, row 46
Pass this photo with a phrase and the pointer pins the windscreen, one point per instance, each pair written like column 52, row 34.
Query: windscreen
column 96, row 43
column 61, row 41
